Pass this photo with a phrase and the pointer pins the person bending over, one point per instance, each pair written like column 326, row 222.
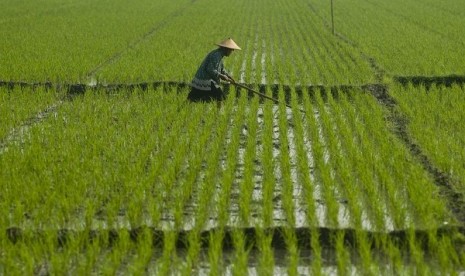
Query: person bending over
column 205, row 86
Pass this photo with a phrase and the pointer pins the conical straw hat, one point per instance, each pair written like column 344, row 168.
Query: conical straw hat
column 229, row 43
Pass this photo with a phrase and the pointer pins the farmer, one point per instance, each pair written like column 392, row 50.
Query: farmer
column 206, row 83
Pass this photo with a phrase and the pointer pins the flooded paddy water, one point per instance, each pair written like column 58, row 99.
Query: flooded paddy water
column 282, row 191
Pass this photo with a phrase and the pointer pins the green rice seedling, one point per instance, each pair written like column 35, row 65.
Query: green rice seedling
column 116, row 258
column 449, row 254
column 316, row 150
column 247, row 182
column 346, row 176
column 292, row 251
column 394, row 254
column 416, row 254
column 316, row 260
column 206, row 192
column 241, row 253
column 143, row 252
column 365, row 253
column 231, row 160
column 193, row 253
column 303, row 160
column 285, row 164
column 323, row 168
column 342, row 253
column 169, row 256
column 266, row 258
column 215, row 251
column 268, row 167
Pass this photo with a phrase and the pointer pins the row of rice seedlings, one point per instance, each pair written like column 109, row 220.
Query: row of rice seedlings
column 231, row 160
column 173, row 172
column 288, row 186
column 304, row 161
column 208, row 207
column 188, row 195
column 266, row 258
column 266, row 158
column 247, row 181
column 240, row 263
column 124, row 255
column 313, row 188
column 323, row 161
column 304, row 175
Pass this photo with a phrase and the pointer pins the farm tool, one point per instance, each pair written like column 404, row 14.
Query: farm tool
column 262, row 95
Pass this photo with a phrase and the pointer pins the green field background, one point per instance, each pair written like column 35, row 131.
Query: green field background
column 140, row 181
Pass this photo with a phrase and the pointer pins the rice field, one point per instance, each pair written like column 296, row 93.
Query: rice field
column 105, row 168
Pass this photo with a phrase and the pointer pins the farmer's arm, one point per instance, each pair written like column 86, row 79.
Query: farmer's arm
column 226, row 76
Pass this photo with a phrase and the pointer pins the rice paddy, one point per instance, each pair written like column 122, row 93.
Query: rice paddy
column 105, row 168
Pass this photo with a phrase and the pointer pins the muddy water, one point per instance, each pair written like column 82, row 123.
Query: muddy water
column 299, row 205
column 256, row 217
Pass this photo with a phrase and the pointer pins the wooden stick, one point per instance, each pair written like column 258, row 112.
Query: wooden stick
column 262, row 95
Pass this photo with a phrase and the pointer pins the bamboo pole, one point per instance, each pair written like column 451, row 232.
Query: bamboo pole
column 263, row 95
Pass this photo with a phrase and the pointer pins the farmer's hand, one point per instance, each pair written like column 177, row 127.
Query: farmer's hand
column 227, row 78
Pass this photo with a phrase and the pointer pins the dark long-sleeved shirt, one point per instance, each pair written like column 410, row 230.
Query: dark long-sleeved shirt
column 210, row 69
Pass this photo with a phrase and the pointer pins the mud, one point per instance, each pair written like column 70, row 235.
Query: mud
column 251, row 234
column 429, row 81
column 73, row 89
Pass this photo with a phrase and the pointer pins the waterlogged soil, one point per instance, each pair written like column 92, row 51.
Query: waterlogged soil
column 327, row 256
column 302, row 229
column 279, row 217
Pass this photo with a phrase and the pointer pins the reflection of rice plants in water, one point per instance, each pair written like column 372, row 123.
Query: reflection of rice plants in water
column 105, row 168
